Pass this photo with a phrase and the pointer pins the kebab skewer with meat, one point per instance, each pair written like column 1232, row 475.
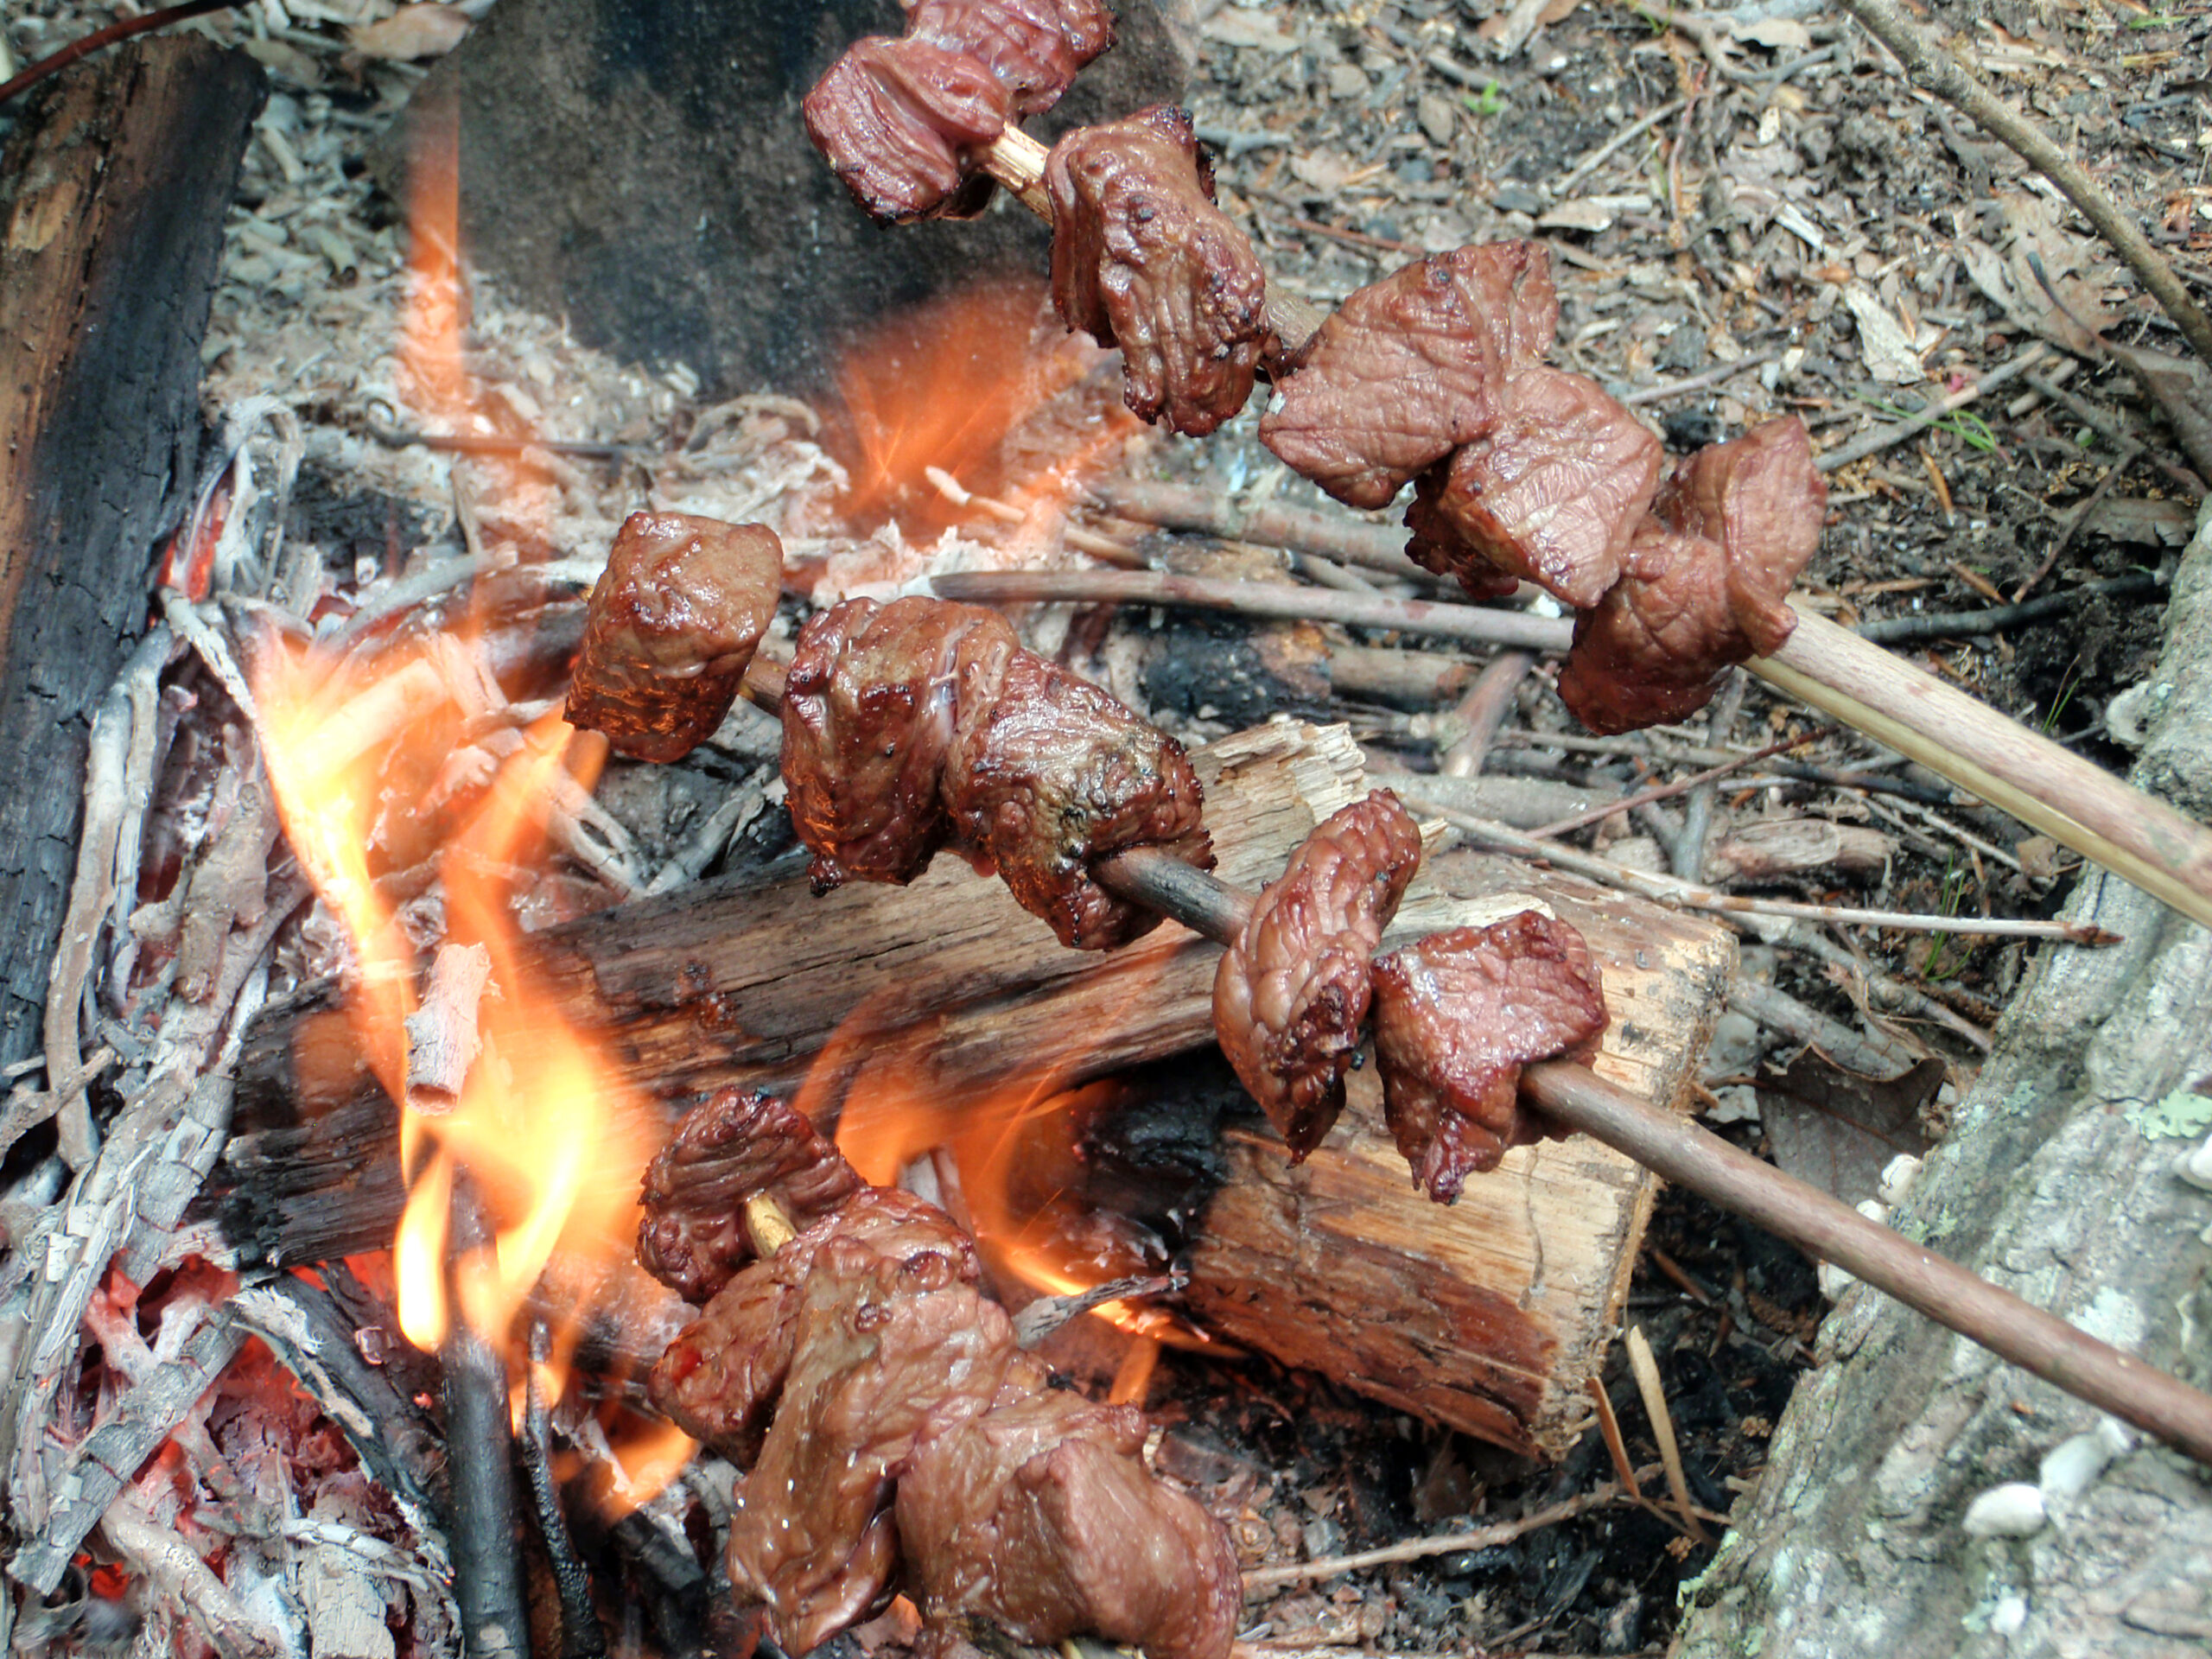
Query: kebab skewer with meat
column 1533, row 473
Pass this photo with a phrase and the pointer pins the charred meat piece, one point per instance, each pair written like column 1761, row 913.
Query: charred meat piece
column 886, row 1351
column 1457, row 1015
column 896, row 119
column 720, row 1377
column 1550, row 492
column 1290, row 994
column 1050, row 773
column 869, row 709
column 1407, row 369
column 674, row 619
column 1705, row 584
column 1032, row 48
column 727, row 1148
column 1142, row 259
column 1041, row 1516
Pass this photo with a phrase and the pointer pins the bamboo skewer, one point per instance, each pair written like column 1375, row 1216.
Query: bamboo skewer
column 2081, row 806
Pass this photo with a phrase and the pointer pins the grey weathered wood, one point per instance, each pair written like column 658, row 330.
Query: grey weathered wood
column 1853, row 1543
column 112, row 190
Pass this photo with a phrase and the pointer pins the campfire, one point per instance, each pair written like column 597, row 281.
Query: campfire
column 677, row 1048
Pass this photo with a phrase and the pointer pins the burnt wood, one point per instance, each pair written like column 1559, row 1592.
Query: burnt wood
column 112, row 191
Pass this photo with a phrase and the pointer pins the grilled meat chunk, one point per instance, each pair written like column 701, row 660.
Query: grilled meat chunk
column 1142, row 259
column 730, row 1146
column 1290, row 994
column 1032, row 48
column 1041, row 1516
column 1549, row 492
column 897, row 118
column 887, row 1352
column 720, row 1377
column 1047, row 772
column 673, row 621
column 1407, row 369
column 1705, row 584
column 1457, row 1015
column 869, row 711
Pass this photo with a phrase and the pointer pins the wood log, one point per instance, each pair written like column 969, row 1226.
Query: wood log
column 112, row 190
column 2060, row 1180
column 1489, row 1316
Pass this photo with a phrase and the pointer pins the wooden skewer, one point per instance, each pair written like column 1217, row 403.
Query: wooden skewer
column 2078, row 804
column 1679, row 1150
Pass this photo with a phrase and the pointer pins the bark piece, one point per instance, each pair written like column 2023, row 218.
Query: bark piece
column 112, row 191
column 2056, row 1181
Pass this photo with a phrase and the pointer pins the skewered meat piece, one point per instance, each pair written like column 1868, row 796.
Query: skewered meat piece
column 1550, row 492
column 1457, row 1015
column 1705, row 584
column 1032, row 48
column 1040, row 1516
column 870, row 711
column 1142, row 259
column 1407, row 369
column 885, row 1352
column 895, row 119
column 1290, row 994
column 1047, row 772
column 736, row 1144
column 673, row 621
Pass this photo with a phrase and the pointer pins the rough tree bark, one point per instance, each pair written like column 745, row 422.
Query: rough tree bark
column 2059, row 1182
column 111, row 200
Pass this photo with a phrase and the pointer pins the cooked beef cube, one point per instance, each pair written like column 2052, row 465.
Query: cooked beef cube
column 1290, row 994
column 1705, row 584
column 1550, row 492
column 1457, row 1015
column 869, row 709
column 720, row 1377
column 1041, row 1516
column 1032, row 48
column 674, row 619
column 1048, row 773
column 885, row 1351
column 896, row 119
column 730, row 1146
column 1142, row 259
column 1406, row 369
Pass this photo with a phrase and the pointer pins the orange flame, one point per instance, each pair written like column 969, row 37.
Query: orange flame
column 944, row 384
column 545, row 1143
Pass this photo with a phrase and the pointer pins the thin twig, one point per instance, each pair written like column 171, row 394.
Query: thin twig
column 1671, row 889
column 1936, row 68
column 1712, row 377
column 2075, row 519
column 1681, row 786
column 1888, row 437
column 1574, row 174
column 487, row 1581
column 1913, row 630
column 1416, row 1549
column 1646, row 1369
column 1483, row 711
column 581, row 1634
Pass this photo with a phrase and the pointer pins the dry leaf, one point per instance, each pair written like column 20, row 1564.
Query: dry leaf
column 2076, row 268
column 424, row 31
column 1884, row 345
column 1233, row 27
column 1774, row 33
column 1323, row 170
column 1837, row 1129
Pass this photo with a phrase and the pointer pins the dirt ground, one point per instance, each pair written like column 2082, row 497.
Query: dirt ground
column 1750, row 214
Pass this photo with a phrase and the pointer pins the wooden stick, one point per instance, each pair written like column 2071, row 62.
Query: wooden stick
column 2102, row 817
column 2127, row 832
column 1824, row 1226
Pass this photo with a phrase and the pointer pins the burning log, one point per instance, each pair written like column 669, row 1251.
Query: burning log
column 1488, row 1317
column 109, row 242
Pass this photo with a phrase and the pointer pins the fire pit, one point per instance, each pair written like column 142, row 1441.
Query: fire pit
column 381, row 989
